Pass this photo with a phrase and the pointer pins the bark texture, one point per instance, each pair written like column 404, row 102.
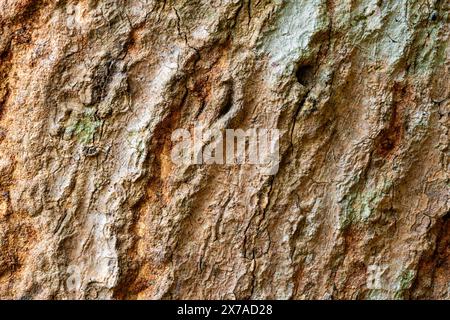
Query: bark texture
column 92, row 207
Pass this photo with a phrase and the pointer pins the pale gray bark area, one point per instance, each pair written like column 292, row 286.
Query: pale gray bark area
column 91, row 205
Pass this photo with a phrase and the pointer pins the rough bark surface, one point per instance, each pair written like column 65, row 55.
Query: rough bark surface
column 91, row 205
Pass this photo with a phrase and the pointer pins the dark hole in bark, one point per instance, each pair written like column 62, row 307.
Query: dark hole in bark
column 226, row 108
column 446, row 216
column 226, row 105
column 434, row 16
column 305, row 75
column 385, row 142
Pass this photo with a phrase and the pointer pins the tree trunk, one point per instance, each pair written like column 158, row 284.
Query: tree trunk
column 93, row 206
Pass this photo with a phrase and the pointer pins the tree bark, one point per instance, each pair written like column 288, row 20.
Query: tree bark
column 93, row 207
